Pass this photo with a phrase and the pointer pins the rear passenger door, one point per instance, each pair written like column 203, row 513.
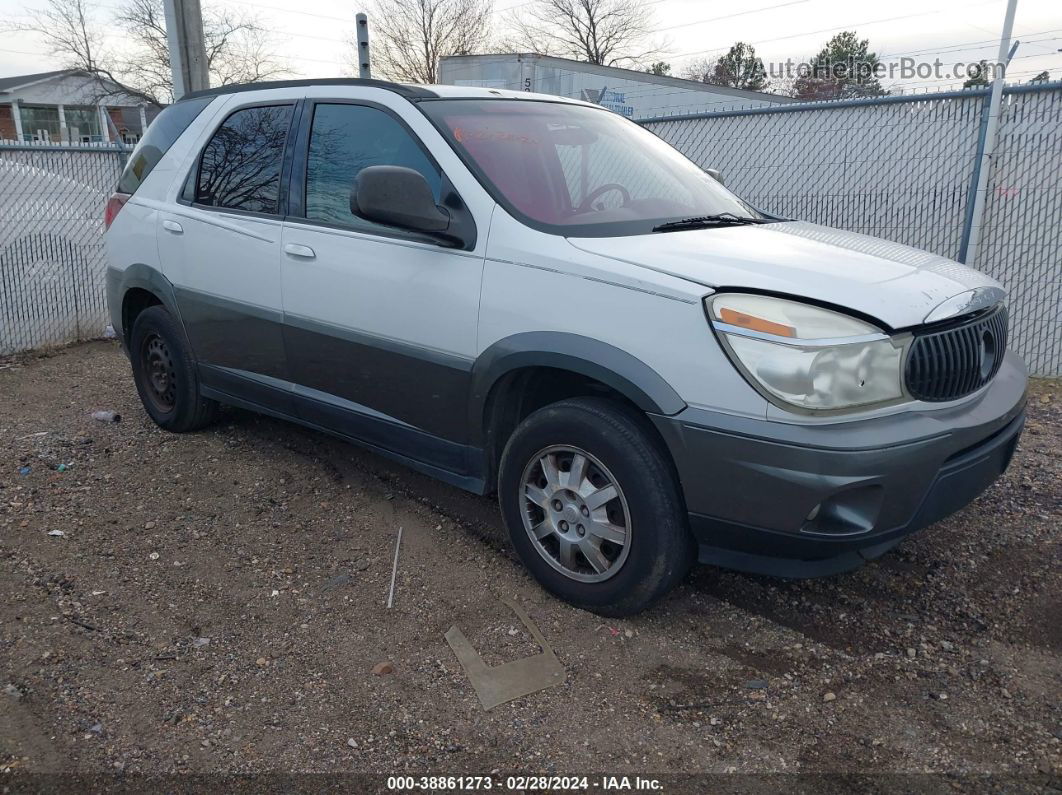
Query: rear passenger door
column 220, row 247
column 380, row 323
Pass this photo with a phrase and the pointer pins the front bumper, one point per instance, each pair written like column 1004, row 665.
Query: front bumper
column 806, row 500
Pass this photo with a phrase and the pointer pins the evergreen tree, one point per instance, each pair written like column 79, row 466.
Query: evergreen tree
column 739, row 68
column 843, row 69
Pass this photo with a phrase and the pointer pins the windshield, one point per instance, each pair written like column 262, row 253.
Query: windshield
column 578, row 171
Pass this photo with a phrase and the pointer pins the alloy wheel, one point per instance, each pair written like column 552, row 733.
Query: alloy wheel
column 575, row 513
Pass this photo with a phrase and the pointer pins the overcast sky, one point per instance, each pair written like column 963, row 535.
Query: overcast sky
column 312, row 36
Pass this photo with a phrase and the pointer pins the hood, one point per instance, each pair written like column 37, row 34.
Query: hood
column 897, row 284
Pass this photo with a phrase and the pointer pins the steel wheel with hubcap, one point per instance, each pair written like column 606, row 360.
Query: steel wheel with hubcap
column 576, row 514
column 165, row 372
column 157, row 364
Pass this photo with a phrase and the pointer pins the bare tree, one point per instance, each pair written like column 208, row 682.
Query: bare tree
column 250, row 60
column 410, row 36
column 70, row 31
column 698, row 69
column 144, row 22
column 605, row 32
column 238, row 47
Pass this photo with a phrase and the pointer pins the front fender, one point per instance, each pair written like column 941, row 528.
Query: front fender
column 616, row 368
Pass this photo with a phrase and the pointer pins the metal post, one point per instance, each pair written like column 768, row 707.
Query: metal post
column 989, row 134
column 184, row 33
column 364, row 71
column 64, row 132
column 16, row 114
column 102, row 119
column 143, row 119
column 115, row 133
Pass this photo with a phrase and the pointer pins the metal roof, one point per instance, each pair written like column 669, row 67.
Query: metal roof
column 17, row 81
column 630, row 74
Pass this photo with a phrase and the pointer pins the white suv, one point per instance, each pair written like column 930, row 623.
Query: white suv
column 522, row 293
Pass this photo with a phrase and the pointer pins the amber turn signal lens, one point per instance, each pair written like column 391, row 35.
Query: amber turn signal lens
column 753, row 323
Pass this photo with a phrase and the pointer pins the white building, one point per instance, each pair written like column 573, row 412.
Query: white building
column 69, row 107
column 636, row 95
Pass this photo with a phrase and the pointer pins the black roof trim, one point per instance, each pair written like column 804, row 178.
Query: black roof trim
column 409, row 92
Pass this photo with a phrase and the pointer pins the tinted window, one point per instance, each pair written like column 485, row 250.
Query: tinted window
column 574, row 170
column 164, row 130
column 240, row 167
column 345, row 139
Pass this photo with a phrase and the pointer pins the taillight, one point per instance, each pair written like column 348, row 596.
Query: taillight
column 114, row 205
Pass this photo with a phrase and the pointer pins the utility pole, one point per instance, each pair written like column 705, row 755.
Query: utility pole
column 184, row 33
column 989, row 138
column 364, row 72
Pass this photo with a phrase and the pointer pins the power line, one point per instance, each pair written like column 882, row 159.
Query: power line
column 305, row 36
column 832, row 29
column 968, row 44
column 535, row 2
column 648, row 90
column 254, row 4
column 731, row 16
column 932, row 83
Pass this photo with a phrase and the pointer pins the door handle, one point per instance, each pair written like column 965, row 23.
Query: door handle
column 172, row 226
column 297, row 250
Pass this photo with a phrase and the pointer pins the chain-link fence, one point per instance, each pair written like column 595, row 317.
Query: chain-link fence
column 1021, row 245
column 51, row 254
column 900, row 168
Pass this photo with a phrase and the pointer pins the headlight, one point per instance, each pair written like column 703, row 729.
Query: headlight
column 806, row 356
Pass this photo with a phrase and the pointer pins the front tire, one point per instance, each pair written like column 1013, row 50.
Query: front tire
column 593, row 508
column 165, row 373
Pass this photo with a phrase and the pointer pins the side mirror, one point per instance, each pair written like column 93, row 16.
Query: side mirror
column 715, row 174
column 397, row 196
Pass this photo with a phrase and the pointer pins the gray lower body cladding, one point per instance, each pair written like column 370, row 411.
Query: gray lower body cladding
column 810, row 500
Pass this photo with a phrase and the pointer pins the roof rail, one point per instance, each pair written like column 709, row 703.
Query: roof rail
column 410, row 92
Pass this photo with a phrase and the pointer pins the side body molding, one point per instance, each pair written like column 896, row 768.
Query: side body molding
column 138, row 275
column 628, row 375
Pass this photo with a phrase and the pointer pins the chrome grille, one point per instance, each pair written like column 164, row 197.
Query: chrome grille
column 956, row 361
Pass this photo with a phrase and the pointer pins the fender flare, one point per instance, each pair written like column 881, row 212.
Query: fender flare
column 144, row 277
column 616, row 368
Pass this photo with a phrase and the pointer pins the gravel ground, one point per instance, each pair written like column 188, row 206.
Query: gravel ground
column 216, row 602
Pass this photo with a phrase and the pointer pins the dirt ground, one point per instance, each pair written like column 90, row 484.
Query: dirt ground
column 216, row 602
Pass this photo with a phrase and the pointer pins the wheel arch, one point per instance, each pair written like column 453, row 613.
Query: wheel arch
column 132, row 290
column 499, row 366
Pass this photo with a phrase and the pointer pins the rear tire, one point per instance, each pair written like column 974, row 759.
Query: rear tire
column 593, row 508
column 165, row 373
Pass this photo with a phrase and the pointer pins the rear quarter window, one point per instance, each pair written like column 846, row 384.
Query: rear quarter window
column 160, row 136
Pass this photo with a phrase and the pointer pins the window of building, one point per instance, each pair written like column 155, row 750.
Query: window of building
column 40, row 123
column 83, row 124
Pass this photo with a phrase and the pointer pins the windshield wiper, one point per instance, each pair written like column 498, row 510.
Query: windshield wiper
column 705, row 221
